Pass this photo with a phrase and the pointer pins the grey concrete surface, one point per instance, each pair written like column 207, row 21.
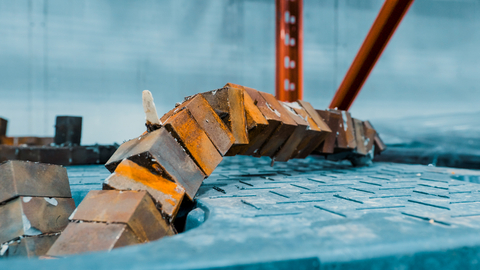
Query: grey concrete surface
column 94, row 57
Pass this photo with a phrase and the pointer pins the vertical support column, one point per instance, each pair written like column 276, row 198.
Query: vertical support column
column 289, row 46
column 385, row 24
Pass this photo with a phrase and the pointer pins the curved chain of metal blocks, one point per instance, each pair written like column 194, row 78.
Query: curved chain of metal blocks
column 154, row 173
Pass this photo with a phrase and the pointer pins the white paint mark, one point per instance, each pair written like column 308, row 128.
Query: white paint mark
column 51, row 201
column 344, row 116
column 27, row 199
column 27, row 227
column 3, row 249
column 71, row 216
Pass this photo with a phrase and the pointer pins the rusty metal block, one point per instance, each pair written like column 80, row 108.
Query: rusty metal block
column 302, row 133
column 130, row 176
column 228, row 103
column 189, row 134
column 134, row 208
column 258, row 136
column 91, row 237
column 369, row 135
column 346, row 135
column 315, row 116
column 125, row 150
column 285, row 129
column 68, row 130
column 28, row 141
column 163, row 155
column 208, row 120
column 360, row 137
column 30, row 246
column 34, row 216
column 3, row 127
column 318, row 139
column 22, row 178
column 256, row 123
column 314, row 136
column 333, row 121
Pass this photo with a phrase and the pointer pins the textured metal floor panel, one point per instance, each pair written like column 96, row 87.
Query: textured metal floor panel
column 308, row 214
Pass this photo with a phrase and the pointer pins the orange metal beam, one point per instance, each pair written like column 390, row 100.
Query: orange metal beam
column 289, row 44
column 385, row 24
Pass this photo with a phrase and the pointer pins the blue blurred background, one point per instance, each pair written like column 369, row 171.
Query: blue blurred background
column 94, row 57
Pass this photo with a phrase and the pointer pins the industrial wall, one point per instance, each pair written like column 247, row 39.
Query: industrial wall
column 94, row 57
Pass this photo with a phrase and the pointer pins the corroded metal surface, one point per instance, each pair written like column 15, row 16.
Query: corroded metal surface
column 21, row 178
column 34, row 216
column 159, row 151
column 90, row 237
column 190, row 135
column 30, row 246
column 228, row 103
column 134, row 208
column 130, row 176
column 208, row 121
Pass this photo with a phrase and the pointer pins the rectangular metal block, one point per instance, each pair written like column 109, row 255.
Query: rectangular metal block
column 346, row 134
column 8, row 153
column 160, row 152
column 54, row 155
column 6, row 140
column 332, row 120
column 314, row 135
column 106, row 152
column 302, row 133
column 315, row 116
column 3, row 127
column 208, row 120
column 29, row 153
column 134, row 208
column 91, row 237
column 274, row 121
column 256, row 123
column 228, row 103
column 68, row 130
column 30, row 246
column 29, row 141
column 125, row 150
column 284, row 130
column 317, row 139
column 34, row 216
column 189, row 134
column 23, row 178
column 167, row 195
column 80, row 155
column 360, row 137
column 379, row 145
column 370, row 133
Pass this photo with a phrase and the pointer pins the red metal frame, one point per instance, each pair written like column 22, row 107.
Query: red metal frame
column 289, row 44
column 385, row 24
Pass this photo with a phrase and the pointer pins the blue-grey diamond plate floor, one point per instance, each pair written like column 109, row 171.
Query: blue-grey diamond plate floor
column 308, row 214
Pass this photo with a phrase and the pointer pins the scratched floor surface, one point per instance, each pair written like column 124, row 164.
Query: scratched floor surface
column 308, row 214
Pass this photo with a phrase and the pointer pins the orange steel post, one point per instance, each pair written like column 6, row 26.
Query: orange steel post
column 385, row 24
column 289, row 43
